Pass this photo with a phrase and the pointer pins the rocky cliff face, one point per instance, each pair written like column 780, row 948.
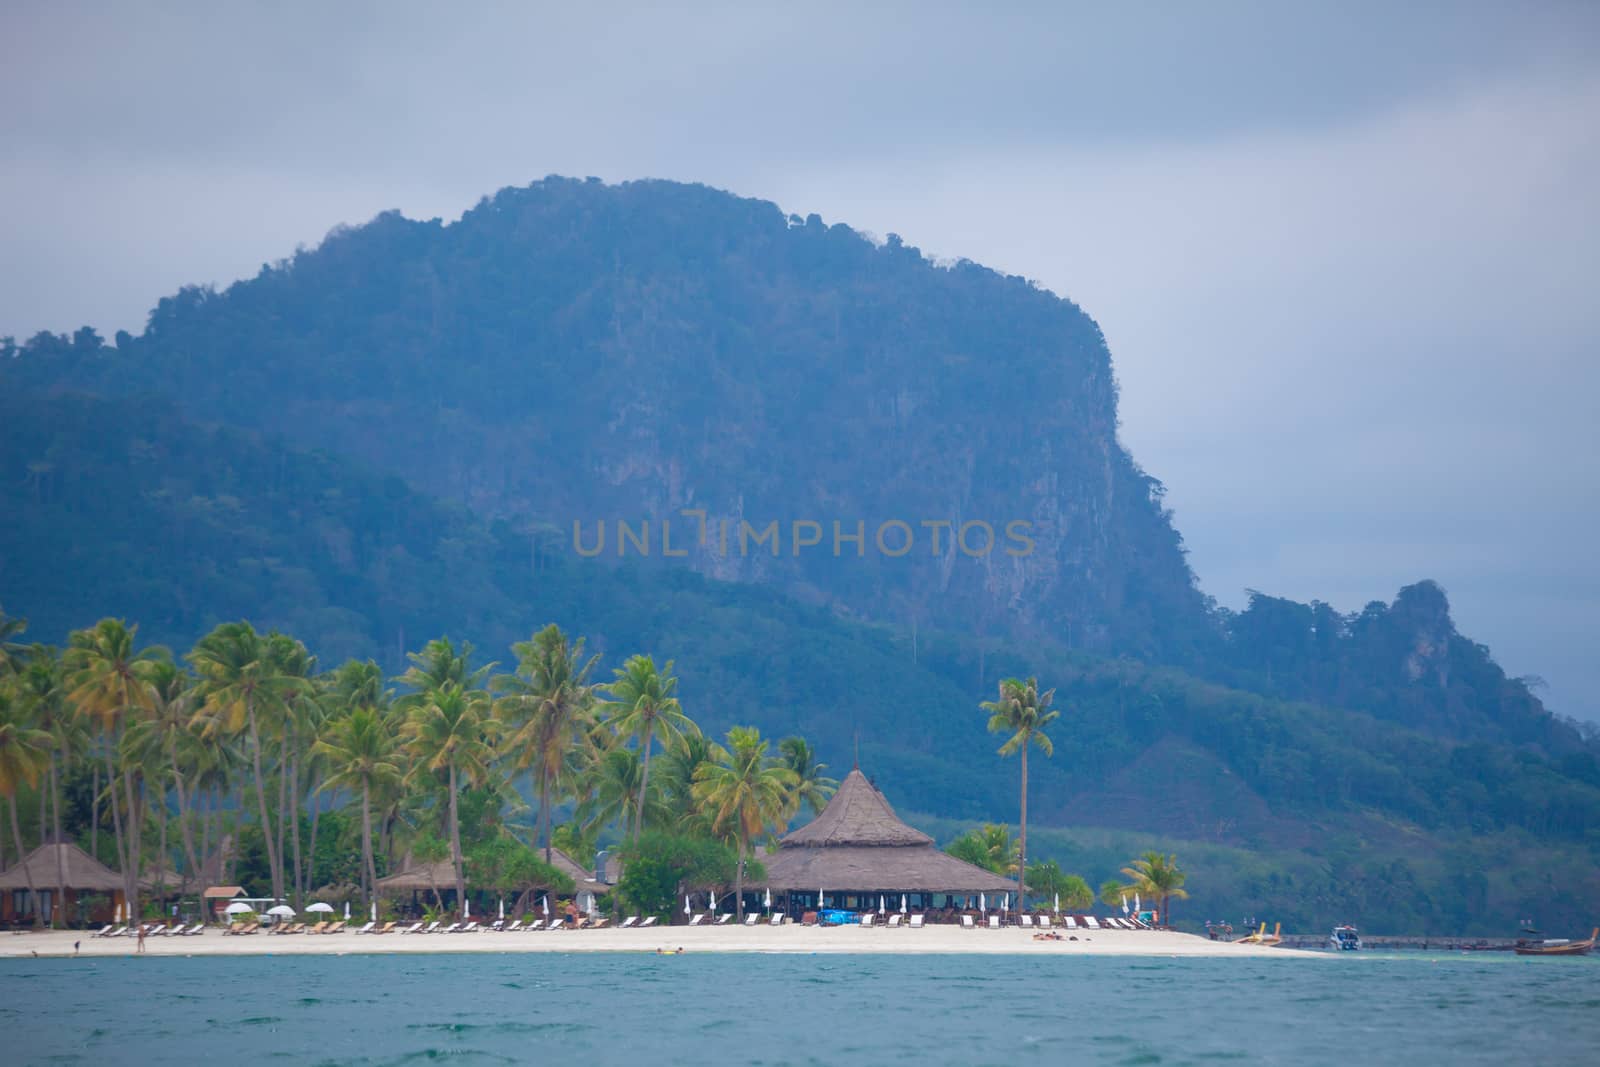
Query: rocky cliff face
column 710, row 383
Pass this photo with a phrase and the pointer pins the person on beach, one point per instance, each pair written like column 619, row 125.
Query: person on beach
column 141, row 938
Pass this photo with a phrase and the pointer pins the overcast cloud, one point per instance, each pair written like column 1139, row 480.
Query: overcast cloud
column 1345, row 257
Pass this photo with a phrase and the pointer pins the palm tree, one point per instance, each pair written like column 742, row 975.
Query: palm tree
column 616, row 793
column 244, row 683
column 9, row 628
column 812, row 789
column 363, row 757
column 745, row 792
column 989, row 847
column 109, row 683
column 1160, row 877
column 644, row 707
column 1022, row 711
column 552, row 700
column 24, row 756
column 41, row 688
column 164, row 735
column 448, row 731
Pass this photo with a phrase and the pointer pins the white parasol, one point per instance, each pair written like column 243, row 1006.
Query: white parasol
column 546, row 906
column 1124, row 903
column 1057, row 908
column 881, row 908
column 374, row 911
column 238, row 907
column 466, row 908
column 769, row 898
column 319, row 906
column 686, row 908
column 502, row 907
column 902, row 903
column 983, row 903
column 282, row 911
column 347, row 911
column 712, row 904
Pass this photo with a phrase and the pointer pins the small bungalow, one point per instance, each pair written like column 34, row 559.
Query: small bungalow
column 93, row 891
column 858, row 851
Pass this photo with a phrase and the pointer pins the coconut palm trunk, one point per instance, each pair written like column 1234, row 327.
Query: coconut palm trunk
column 455, row 845
column 738, row 884
column 261, row 800
column 544, row 811
column 55, row 805
column 185, row 831
column 644, row 780
column 1022, row 837
column 370, row 868
column 27, row 871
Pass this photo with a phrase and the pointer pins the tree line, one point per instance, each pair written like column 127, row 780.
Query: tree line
column 245, row 734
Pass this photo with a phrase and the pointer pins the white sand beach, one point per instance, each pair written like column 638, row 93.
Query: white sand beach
column 782, row 939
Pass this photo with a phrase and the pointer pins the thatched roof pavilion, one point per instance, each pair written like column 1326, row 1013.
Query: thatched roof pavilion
column 415, row 877
column 79, row 873
column 859, row 847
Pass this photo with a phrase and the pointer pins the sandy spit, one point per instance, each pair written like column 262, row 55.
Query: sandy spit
column 790, row 939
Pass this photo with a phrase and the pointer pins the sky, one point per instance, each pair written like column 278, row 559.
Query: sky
column 1345, row 255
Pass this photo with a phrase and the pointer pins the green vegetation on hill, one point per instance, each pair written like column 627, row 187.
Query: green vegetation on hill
column 389, row 437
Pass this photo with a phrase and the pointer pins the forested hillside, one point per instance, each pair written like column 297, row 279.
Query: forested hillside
column 388, row 438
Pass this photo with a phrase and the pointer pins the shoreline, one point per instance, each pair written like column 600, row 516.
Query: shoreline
column 803, row 940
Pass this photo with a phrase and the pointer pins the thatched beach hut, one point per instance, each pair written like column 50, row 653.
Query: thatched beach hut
column 80, row 875
column 858, row 851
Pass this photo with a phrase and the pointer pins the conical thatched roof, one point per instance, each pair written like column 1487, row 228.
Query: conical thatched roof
column 80, row 870
column 858, row 843
column 857, row 815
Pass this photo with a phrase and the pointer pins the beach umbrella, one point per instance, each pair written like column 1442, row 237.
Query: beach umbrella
column 1005, row 905
column 712, row 906
column 881, row 908
column 546, row 906
column 819, row 900
column 238, row 907
column 321, row 907
column 502, row 907
column 374, row 911
column 281, row 911
column 1124, row 903
column 686, row 908
column 347, row 911
column 466, row 908
column 983, row 902
column 1136, row 906
column 1057, row 908
column 902, row 903
column 769, row 898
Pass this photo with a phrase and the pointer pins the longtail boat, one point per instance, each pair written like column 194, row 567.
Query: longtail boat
column 1558, row 947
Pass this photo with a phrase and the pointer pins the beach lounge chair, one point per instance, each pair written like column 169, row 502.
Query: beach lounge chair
column 629, row 922
column 917, row 921
column 234, row 928
column 895, row 920
column 516, row 924
column 452, row 928
column 1044, row 922
column 154, row 929
column 195, row 931
column 994, row 922
column 251, row 928
column 777, row 919
column 649, row 920
column 103, row 931
column 471, row 928
column 1025, row 921
column 968, row 923
column 600, row 923
column 867, row 920
column 1069, row 922
column 496, row 926
column 336, row 927
column 696, row 920
column 319, row 928
column 1091, row 922
column 537, row 924
column 558, row 923
column 725, row 918
column 365, row 928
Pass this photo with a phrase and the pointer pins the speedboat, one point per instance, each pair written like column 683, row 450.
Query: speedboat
column 1344, row 939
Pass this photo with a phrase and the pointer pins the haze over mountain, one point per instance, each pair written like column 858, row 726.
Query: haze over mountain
column 391, row 436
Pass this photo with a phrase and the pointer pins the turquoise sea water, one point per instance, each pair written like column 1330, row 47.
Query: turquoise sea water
column 708, row 1010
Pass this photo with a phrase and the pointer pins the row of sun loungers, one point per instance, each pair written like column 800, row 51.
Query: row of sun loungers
column 152, row 930
column 1067, row 922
